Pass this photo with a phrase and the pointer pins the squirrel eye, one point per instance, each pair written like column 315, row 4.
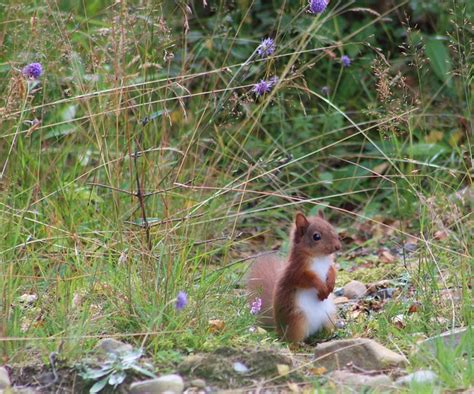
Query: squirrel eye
column 317, row 236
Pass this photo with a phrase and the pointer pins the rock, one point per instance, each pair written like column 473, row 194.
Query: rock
column 339, row 292
column 110, row 345
column 341, row 300
column 354, row 289
column 163, row 384
column 240, row 368
column 383, row 294
column 198, row 383
column 419, row 377
column 361, row 352
column 4, row 378
column 450, row 339
column 354, row 380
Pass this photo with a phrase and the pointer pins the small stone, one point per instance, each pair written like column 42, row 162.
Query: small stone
column 163, row 384
column 27, row 298
column 354, row 289
column 354, row 380
column 384, row 294
column 110, row 345
column 339, row 292
column 418, row 377
column 4, row 379
column 198, row 383
column 362, row 353
column 239, row 367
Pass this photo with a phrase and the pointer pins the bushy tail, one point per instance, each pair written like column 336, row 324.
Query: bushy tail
column 261, row 281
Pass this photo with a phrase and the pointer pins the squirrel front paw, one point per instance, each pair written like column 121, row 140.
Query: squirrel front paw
column 323, row 293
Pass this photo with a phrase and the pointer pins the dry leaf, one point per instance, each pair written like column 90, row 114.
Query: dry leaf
column 216, row 325
column 415, row 307
column 283, row 369
column 386, row 257
column 440, row 235
column 318, row 371
column 340, row 300
column 399, row 321
column 434, row 136
column 294, row 388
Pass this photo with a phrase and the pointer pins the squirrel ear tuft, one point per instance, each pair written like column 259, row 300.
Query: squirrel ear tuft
column 301, row 225
column 321, row 214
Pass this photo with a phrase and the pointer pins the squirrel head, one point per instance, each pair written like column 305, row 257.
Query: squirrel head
column 314, row 236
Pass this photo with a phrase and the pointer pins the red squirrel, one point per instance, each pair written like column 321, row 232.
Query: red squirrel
column 295, row 294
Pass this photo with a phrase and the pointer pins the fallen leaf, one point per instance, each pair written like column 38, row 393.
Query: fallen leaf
column 318, row 371
column 386, row 257
column 340, row 300
column 294, row 388
column 216, row 325
column 283, row 369
column 415, row 307
column 399, row 321
column 440, row 235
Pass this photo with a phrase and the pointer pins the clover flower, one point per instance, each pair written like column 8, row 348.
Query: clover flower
column 256, row 306
column 32, row 70
column 181, row 300
column 262, row 87
column 345, row 60
column 266, row 48
column 317, row 6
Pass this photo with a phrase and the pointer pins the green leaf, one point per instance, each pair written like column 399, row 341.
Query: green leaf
column 99, row 385
column 439, row 59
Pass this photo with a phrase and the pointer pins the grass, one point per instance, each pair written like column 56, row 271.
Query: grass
column 142, row 165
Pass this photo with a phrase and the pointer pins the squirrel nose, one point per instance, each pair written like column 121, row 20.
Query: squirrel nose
column 337, row 246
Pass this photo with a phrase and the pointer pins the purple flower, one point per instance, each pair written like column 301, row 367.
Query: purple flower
column 345, row 60
column 256, row 306
column 32, row 70
column 181, row 300
column 262, row 87
column 266, row 48
column 317, row 6
column 325, row 90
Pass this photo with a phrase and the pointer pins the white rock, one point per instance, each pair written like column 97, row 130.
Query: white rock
column 451, row 339
column 355, row 289
column 240, row 368
column 419, row 377
column 4, row 378
column 163, row 384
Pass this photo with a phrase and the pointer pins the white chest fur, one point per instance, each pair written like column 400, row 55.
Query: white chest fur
column 318, row 313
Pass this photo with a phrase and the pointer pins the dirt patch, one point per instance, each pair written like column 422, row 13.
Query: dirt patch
column 231, row 368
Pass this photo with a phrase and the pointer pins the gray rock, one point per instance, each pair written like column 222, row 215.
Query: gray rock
column 354, row 289
column 361, row 352
column 110, row 345
column 355, row 380
column 418, row 377
column 450, row 339
column 163, row 384
column 198, row 383
column 4, row 379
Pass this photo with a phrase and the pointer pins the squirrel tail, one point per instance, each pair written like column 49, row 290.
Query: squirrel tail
column 261, row 282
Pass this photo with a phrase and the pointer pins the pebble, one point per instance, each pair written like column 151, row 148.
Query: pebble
column 164, row 384
column 110, row 345
column 354, row 289
column 355, row 380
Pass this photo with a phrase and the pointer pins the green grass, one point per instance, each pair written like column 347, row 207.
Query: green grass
column 221, row 173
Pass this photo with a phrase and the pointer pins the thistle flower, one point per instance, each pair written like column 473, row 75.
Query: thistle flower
column 266, row 48
column 181, row 300
column 345, row 60
column 32, row 70
column 317, row 6
column 256, row 306
column 262, row 87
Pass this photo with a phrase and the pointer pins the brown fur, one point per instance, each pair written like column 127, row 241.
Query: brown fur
column 261, row 281
column 276, row 282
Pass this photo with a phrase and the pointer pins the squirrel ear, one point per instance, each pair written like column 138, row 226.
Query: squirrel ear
column 321, row 214
column 301, row 225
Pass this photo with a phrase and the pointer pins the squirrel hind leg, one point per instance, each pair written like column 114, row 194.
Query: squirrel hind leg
column 296, row 330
